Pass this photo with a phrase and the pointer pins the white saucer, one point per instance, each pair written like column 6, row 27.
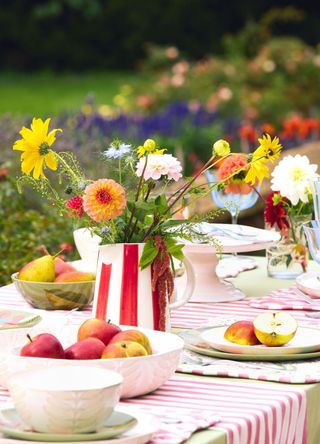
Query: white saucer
column 306, row 340
column 146, row 426
column 309, row 283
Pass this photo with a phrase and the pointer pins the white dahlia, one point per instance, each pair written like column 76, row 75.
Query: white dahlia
column 291, row 178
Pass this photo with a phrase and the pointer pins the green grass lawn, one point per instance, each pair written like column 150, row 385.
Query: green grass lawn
column 40, row 94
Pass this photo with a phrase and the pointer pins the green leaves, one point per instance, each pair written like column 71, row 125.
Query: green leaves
column 150, row 251
column 149, row 254
column 174, row 249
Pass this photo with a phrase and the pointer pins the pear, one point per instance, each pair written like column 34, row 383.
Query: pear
column 38, row 270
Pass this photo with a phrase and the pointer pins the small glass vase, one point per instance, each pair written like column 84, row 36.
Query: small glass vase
column 289, row 258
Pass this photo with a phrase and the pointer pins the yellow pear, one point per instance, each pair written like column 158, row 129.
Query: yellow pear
column 38, row 270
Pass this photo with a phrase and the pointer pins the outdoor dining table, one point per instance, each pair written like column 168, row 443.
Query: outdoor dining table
column 249, row 411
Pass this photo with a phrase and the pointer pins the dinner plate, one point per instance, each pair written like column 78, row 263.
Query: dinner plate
column 306, row 339
column 309, row 283
column 232, row 238
column 11, row 319
column 194, row 342
column 120, row 428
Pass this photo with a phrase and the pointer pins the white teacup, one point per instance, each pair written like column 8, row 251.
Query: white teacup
column 65, row 400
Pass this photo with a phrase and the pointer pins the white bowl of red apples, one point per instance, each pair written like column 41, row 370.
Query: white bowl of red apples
column 145, row 358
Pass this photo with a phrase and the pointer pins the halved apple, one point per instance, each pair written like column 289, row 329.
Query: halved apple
column 275, row 329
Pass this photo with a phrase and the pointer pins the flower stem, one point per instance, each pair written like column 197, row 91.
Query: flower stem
column 66, row 166
column 120, row 178
column 134, row 209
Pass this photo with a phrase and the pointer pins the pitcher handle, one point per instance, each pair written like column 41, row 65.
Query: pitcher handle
column 191, row 281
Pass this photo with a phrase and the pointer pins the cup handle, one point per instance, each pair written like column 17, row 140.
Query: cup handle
column 191, row 281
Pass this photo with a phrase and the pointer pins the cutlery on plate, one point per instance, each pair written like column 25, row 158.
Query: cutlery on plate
column 231, row 234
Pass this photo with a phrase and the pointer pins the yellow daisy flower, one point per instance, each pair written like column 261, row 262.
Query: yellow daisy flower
column 257, row 171
column 104, row 199
column 268, row 149
column 35, row 144
column 148, row 147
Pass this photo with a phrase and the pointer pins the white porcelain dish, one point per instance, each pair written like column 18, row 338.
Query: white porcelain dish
column 141, row 374
column 306, row 339
column 237, row 238
column 309, row 283
column 65, row 400
column 146, row 427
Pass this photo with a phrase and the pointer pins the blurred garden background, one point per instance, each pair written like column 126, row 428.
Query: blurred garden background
column 184, row 72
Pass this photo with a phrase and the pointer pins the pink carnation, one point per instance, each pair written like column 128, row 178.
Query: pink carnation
column 160, row 165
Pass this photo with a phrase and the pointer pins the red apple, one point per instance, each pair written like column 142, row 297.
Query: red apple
column 241, row 332
column 123, row 349
column 89, row 348
column 98, row 328
column 60, row 266
column 75, row 276
column 44, row 345
column 133, row 336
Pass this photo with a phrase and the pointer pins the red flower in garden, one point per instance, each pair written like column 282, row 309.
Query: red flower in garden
column 275, row 214
column 248, row 132
column 3, row 173
column 65, row 246
column 268, row 128
column 76, row 204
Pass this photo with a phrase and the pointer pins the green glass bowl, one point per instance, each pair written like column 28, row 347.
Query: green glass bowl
column 55, row 295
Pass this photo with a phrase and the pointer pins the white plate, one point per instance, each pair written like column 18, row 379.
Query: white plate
column 141, row 433
column 237, row 238
column 309, row 283
column 306, row 339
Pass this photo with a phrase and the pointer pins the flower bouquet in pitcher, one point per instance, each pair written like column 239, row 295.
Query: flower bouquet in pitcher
column 132, row 212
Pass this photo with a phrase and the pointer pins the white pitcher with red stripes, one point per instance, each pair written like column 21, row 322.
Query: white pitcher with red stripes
column 123, row 291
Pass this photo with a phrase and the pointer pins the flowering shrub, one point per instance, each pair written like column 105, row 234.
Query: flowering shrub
column 24, row 230
column 280, row 78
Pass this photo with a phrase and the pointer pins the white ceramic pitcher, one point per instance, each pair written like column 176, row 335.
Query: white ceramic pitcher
column 123, row 292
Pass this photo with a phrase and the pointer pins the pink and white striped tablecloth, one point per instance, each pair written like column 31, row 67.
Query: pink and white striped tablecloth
column 251, row 413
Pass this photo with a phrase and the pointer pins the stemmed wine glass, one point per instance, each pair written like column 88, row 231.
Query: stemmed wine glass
column 233, row 202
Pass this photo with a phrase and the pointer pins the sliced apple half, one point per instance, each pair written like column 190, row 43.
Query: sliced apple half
column 275, row 329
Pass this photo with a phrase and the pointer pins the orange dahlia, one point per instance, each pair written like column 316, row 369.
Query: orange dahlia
column 104, row 199
column 235, row 166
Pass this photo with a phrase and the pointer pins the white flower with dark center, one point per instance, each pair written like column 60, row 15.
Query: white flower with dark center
column 291, row 178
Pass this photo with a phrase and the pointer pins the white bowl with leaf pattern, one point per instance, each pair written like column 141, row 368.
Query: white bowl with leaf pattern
column 141, row 374
column 65, row 400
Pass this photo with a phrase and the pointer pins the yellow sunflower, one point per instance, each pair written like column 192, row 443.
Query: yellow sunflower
column 257, row 171
column 35, row 144
column 104, row 199
column 268, row 149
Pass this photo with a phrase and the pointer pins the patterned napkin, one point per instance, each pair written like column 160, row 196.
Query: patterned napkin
column 177, row 425
column 291, row 372
column 284, row 299
column 17, row 319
